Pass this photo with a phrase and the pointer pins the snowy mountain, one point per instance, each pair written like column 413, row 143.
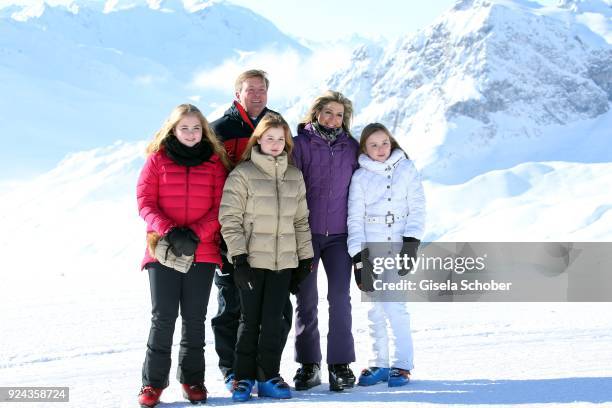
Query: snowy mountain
column 490, row 84
column 76, row 309
column 516, row 189
column 82, row 76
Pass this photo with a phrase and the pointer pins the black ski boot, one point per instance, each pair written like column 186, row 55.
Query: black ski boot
column 340, row 377
column 307, row 376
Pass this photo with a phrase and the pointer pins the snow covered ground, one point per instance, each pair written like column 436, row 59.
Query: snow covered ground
column 75, row 309
column 89, row 333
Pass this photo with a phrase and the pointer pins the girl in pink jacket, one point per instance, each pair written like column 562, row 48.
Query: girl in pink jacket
column 179, row 192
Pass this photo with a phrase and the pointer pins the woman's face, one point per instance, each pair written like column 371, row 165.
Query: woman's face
column 378, row 146
column 272, row 142
column 331, row 115
column 188, row 130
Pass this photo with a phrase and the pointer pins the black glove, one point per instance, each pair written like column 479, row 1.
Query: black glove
column 243, row 274
column 183, row 241
column 364, row 271
column 409, row 248
column 299, row 274
column 223, row 248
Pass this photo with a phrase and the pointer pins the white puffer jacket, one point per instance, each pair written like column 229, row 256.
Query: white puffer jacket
column 378, row 189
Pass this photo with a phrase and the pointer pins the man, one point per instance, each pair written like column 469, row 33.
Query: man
column 236, row 125
column 234, row 129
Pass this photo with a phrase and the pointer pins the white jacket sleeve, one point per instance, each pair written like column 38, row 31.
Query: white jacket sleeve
column 356, row 216
column 415, row 224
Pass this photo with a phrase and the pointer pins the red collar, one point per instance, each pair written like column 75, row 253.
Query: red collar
column 244, row 115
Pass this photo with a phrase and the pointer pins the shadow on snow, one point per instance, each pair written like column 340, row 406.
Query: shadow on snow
column 480, row 391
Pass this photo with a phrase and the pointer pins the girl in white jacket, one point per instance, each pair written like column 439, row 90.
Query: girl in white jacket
column 386, row 205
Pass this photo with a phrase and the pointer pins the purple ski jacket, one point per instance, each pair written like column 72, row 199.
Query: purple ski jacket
column 327, row 169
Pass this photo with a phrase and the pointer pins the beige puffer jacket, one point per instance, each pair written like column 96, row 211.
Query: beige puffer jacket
column 264, row 213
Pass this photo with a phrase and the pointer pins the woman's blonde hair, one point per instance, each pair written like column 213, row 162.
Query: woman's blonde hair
column 175, row 117
column 375, row 127
column 327, row 97
column 269, row 121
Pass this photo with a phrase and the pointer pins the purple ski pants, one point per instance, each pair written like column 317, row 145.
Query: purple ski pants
column 332, row 250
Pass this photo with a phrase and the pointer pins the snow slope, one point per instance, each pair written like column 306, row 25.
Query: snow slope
column 78, row 77
column 75, row 308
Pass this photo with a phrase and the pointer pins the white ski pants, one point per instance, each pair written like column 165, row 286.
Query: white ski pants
column 389, row 325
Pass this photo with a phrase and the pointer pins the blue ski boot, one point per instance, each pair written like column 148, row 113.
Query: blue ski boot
column 398, row 377
column 229, row 382
column 241, row 390
column 373, row 375
column 274, row 388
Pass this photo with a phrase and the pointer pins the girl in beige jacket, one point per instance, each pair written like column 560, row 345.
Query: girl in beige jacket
column 264, row 221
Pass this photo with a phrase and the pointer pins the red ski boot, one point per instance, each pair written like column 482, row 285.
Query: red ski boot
column 149, row 396
column 195, row 393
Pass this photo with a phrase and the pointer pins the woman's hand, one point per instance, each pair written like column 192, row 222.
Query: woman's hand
column 183, row 241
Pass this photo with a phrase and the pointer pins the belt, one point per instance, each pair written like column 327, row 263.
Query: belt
column 385, row 219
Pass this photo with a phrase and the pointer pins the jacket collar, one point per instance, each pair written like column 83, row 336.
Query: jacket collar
column 390, row 164
column 268, row 164
column 309, row 132
column 237, row 112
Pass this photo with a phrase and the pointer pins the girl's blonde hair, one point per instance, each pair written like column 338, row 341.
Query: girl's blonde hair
column 269, row 121
column 175, row 117
column 375, row 127
column 331, row 96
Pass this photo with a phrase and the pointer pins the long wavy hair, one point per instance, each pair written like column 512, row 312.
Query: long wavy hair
column 327, row 97
column 169, row 127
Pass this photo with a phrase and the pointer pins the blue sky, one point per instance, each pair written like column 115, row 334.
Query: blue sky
column 321, row 19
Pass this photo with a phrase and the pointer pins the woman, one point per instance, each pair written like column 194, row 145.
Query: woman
column 179, row 192
column 327, row 155
column 386, row 208
column 264, row 221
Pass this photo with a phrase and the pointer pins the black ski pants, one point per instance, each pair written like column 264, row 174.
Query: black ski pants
column 225, row 323
column 170, row 291
column 260, row 344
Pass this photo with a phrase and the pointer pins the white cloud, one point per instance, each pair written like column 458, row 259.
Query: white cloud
column 35, row 8
column 290, row 73
column 154, row 4
column 110, row 6
column 149, row 79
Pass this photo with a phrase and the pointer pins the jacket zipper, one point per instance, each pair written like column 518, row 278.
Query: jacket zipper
column 186, row 195
column 331, row 151
column 277, row 213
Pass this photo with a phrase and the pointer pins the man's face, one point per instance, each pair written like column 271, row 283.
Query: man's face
column 253, row 96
